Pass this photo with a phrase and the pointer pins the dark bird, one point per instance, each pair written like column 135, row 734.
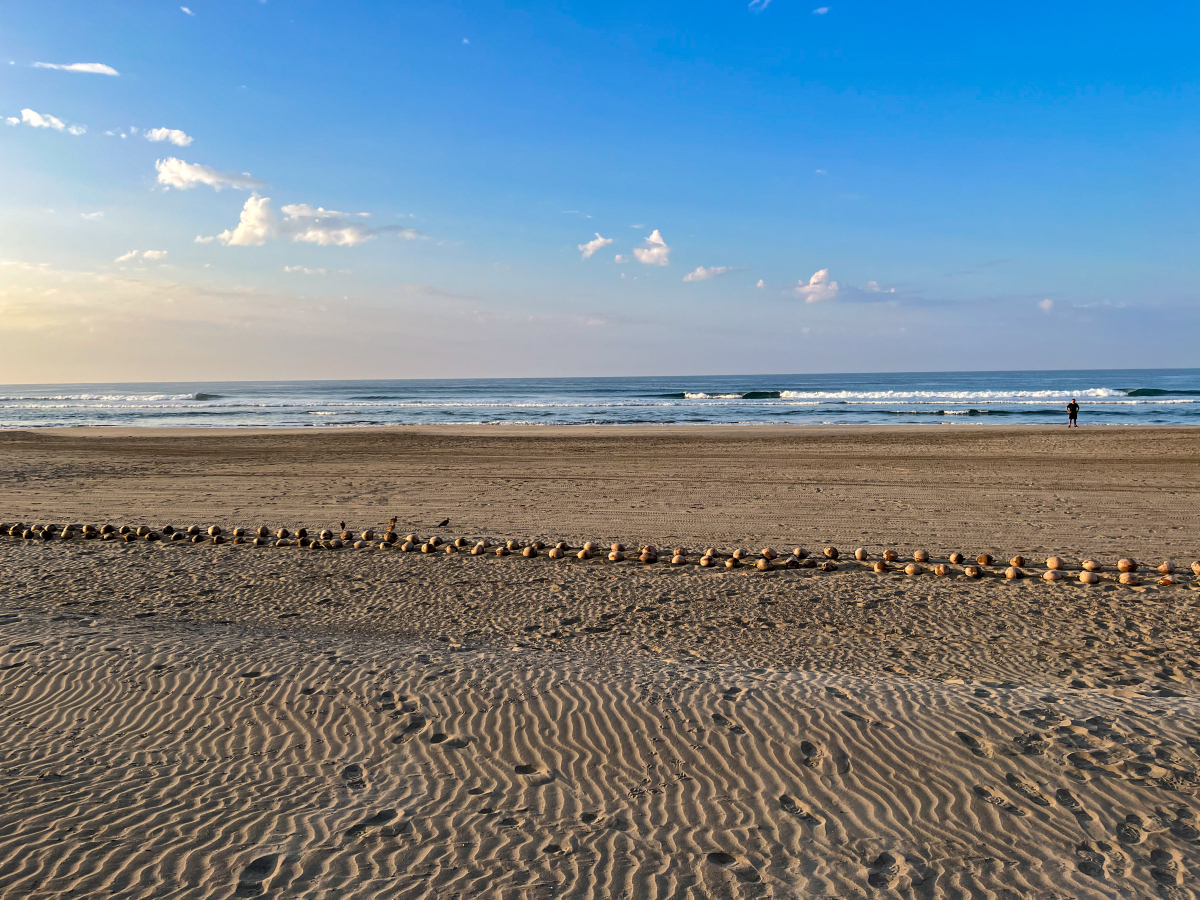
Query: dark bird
column 443, row 523
column 343, row 524
column 392, row 522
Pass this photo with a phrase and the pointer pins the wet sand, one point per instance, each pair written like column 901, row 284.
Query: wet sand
column 196, row 720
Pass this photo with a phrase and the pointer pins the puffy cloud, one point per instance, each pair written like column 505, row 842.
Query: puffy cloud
column 176, row 173
column 592, row 246
column 761, row 284
column 13, row 120
column 874, row 287
column 257, row 223
column 305, row 224
column 702, row 274
column 38, row 120
column 205, row 238
column 144, row 254
column 621, row 259
column 174, row 135
column 654, row 252
column 819, row 287
column 90, row 68
column 1046, row 305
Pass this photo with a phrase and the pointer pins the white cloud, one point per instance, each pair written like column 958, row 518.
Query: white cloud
column 592, row 246
column 874, row 287
column 204, row 239
column 13, row 120
column 761, row 283
column 38, row 120
column 621, row 259
column 186, row 10
column 821, row 172
column 90, row 68
column 820, row 10
column 304, row 270
column 174, row 135
column 654, row 252
column 465, row 41
column 257, row 223
column 1046, row 305
column 144, row 254
column 759, row 5
column 702, row 274
column 176, row 173
column 819, row 287
column 305, row 224
column 93, row 215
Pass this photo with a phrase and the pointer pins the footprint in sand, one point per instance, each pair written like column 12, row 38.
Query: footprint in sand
column 452, row 743
column 1132, row 830
column 990, row 711
column 525, row 769
column 251, row 881
column 975, row 745
column 987, row 796
column 588, row 818
column 725, row 723
column 387, row 701
column 792, row 808
column 354, row 777
column 1182, row 828
column 743, row 870
column 1165, row 867
column 1021, row 786
column 381, row 818
column 1091, row 860
column 1070, row 802
column 814, row 754
column 886, row 870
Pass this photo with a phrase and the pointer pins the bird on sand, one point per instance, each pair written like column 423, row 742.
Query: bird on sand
column 392, row 523
column 343, row 524
column 443, row 523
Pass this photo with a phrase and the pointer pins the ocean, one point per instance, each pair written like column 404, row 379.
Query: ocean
column 1107, row 397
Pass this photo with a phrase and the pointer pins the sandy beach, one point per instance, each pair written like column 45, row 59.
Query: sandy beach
column 183, row 719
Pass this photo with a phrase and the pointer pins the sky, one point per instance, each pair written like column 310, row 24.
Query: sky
column 287, row 190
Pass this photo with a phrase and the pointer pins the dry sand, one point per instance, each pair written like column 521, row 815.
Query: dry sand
column 182, row 720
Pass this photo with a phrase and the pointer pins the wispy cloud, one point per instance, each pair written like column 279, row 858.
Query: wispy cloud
column 186, row 10
column 592, row 246
column 759, row 5
column 174, row 135
column 874, row 287
column 176, row 173
column 93, row 215
column 818, row 287
column 89, row 68
column 304, row 270
column 654, row 252
column 143, row 254
column 820, row 10
column 702, row 274
column 40, row 120
column 205, row 239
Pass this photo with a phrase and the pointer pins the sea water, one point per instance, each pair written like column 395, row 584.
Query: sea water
column 1107, row 397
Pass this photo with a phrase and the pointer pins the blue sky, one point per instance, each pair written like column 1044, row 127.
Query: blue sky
column 776, row 188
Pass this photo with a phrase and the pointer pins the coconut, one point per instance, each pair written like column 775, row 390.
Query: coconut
column 408, row 546
column 649, row 548
column 192, row 529
column 213, row 530
column 91, row 529
column 941, row 570
column 436, row 541
column 956, row 558
column 1017, row 562
column 236, row 540
column 451, row 548
column 679, row 551
column 1013, row 572
column 196, row 538
column 617, row 548
column 732, row 563
column 890, row 555
column 711, row 551
column 217, row 539
column 648, row 557
column 283, row 534
column 1196, row 568
column 529, row 552
column 1168, row 579
column 920, row 556
column 764, row 565
column 1167, row 567
column 427, row 547
column 768, row 553
column 68, row 534
column 1051, row 575
column 861, row 554
column 336, row 544
column 478, row 550
column 831, row 552
column 585, row 553
column 913, row 569
column 175, row 536
column 881, row 565
column 616, row 555
column 555, row 553
column 562, row 545
column 678, row 559
column 326, row 535
column 1054, row 562
column 799, row 553
column 301, row 532
column 973, row 571
column 589, row 546
column 1088, row 578
column 283, row 542
column 739, row 553
column 368, row 535
column 502, row 551
column 133, row 537
column 537, row 545
column 142, row 530
column 707, row 561
column 828, row 566
column 808, row 563
column 389, row 538
column 460, row 542
column 413, row 538
column 1091, row 565
column 1126, row 565
column 485, row 543
column 984, row 559
column 261, row 531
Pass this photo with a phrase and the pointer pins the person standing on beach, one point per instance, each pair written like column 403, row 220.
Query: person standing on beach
column 1073, row 413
